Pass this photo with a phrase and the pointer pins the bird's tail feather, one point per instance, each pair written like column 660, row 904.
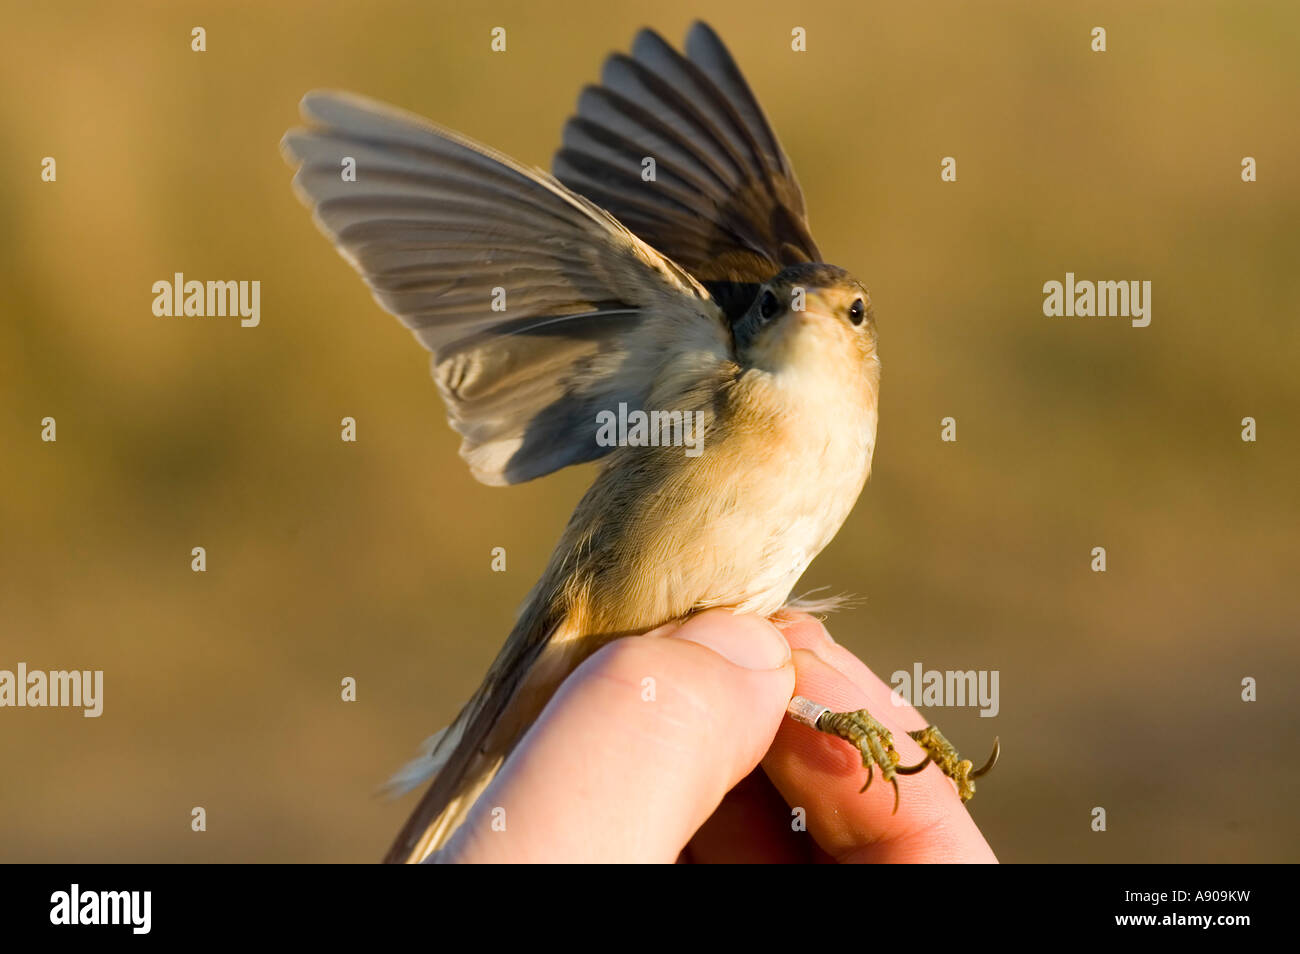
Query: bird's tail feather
column 463, row 759
column 422, row 769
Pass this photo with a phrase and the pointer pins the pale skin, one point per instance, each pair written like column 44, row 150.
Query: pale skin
column 708, row 770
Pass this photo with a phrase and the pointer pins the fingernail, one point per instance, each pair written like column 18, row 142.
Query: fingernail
column 747, row 641
column 825, row 648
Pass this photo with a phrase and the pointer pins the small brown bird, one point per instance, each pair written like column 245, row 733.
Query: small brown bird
column 666, row 266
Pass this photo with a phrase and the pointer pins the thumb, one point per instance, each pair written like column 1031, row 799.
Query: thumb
column 637, row 748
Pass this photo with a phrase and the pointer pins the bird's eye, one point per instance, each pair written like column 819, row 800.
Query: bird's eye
column 857, row 311
column 768, row 305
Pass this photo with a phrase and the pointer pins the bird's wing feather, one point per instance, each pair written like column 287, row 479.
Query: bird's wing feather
column 724, row 201
column 436, row 224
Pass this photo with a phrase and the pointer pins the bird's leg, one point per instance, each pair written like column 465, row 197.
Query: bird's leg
column 962, row 771
column 859, row 729
column 876, row 745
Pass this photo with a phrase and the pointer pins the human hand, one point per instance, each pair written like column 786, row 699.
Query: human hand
column 650, row 752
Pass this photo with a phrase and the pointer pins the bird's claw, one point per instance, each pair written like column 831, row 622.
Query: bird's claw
column 876, row 745
column 940, row 751
column 871, row 739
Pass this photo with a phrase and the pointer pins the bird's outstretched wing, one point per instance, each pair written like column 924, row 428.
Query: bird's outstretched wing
column 724, row 201
column 540, row 308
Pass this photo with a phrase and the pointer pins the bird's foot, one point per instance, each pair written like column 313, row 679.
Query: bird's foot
column 876, row 745
column 962, row 771
column 861, row 730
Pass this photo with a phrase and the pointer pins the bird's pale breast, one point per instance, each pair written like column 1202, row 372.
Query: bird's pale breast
column 660, row 535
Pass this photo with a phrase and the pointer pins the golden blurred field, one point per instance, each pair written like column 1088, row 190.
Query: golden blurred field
column 328, row 559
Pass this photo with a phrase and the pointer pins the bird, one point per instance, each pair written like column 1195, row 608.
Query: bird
column 664, row 264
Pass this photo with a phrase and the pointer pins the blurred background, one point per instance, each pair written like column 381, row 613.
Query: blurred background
column 326, row 559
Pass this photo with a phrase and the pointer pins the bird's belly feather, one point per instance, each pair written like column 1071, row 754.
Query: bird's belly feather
column 736, row 526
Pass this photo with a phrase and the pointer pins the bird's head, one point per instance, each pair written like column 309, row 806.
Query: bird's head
column 811, row 321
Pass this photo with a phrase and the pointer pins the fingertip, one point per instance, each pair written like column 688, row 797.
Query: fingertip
column 745, row 640
column 803, row 631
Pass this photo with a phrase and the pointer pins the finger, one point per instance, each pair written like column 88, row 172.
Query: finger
column 753, row 825
column 638, row 747
column 807, row 632
column 823, row 774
